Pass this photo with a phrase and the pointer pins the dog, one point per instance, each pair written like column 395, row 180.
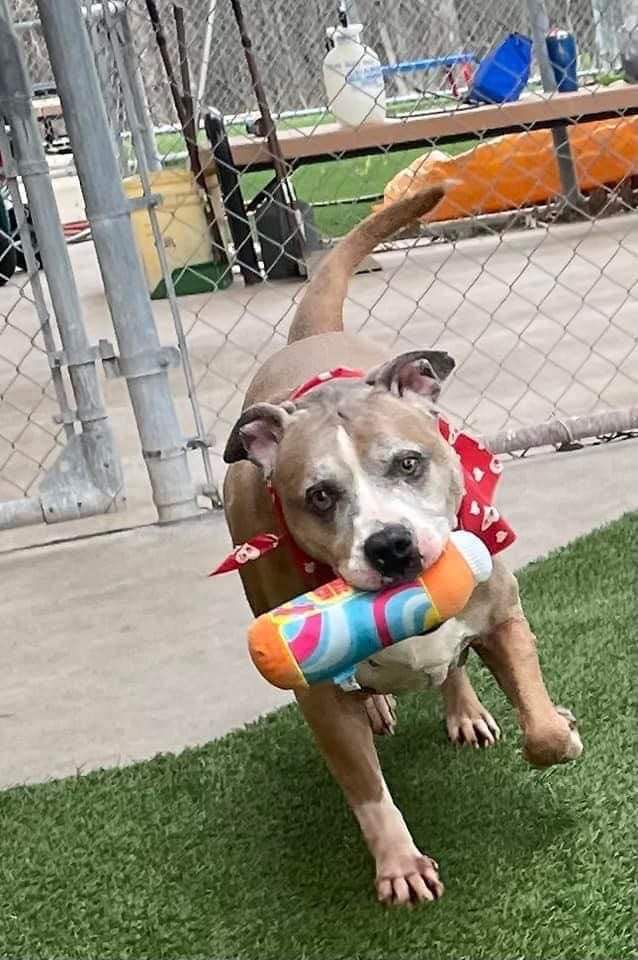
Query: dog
column 356, row 474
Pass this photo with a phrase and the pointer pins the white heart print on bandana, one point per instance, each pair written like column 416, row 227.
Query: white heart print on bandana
column 490, row 516
column 246, row 553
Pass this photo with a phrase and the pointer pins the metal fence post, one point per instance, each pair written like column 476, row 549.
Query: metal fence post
column 123, row 37
column 205, row 61
column 608, row 19
column 540, row 26
column 143, row 361
column 137, row 128
column 103, row 65
column 96, row 447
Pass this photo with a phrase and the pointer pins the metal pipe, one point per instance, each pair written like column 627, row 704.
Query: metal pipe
column 142, row 361
column 236, row 214
column 281, row 168
column 556, row 432
column 608, row 19
column 26, row 512
column 123, row 40
column 31, row 163
column 218, row 250
column 540, row 27
column 131, row 106
column 102, row 57
column 66, row 493
column 203, row 73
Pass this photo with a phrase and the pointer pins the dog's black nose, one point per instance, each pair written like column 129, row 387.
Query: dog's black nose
column 392, row 551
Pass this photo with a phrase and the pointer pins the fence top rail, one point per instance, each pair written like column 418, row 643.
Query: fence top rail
column 535, row 111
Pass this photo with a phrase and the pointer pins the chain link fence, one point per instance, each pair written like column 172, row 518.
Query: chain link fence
column 58, row 459
column 529, row 282
column 536, row 311
column 289, row 41
column 31, row 433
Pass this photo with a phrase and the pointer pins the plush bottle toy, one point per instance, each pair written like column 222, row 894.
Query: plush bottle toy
column 322, row 635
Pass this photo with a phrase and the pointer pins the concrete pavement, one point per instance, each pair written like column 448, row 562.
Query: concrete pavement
column 116, row 647
column 540, row 322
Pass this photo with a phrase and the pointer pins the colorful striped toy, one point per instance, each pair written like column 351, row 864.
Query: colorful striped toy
column 322, row 635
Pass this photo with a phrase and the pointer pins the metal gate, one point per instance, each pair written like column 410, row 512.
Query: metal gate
column 51, row 396
column 58, row 459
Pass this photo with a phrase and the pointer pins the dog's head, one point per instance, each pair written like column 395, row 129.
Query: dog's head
column 366, row 482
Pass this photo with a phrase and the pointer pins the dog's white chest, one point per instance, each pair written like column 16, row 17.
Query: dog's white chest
column 418, row 663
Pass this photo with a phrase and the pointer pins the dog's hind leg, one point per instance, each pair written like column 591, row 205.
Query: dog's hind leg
column 343, row 733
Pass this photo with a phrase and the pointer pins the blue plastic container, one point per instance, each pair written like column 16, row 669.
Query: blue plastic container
column 561, row 47
column 503, row 74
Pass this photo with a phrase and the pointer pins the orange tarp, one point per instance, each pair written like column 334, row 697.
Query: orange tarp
column 520, row 169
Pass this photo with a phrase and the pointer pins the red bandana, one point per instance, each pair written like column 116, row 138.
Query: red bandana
column 481, row 472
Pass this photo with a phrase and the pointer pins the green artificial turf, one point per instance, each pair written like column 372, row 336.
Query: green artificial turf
column 330, row 181
column 345, row 179
column 244, row 849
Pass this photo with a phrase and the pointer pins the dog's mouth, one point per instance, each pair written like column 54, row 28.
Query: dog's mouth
column 366, row 578
column 390, row 556
column 410, row 573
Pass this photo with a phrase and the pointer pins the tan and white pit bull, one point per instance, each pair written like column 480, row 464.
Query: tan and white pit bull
column 369, row 487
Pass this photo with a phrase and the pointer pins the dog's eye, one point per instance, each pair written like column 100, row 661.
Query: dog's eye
column 321, row 499
column 408, row 464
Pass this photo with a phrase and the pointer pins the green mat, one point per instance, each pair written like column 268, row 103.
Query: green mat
column 244, row 849
column 196, row 278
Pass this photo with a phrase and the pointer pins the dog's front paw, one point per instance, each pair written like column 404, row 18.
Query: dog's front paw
column 405, row 877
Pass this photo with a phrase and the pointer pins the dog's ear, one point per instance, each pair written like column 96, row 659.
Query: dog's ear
column 256, row 434
column 419, row 371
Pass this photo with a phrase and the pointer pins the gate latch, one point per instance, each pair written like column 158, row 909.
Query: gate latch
column 142, row 364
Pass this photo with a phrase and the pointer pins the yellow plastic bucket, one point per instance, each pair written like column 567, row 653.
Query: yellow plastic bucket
column 185, row 233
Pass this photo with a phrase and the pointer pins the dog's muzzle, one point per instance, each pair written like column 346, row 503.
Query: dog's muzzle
column 393, row 552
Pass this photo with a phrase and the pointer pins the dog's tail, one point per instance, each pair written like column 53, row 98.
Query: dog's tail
column 321, row 309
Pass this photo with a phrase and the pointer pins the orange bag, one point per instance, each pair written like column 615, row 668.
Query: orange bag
column 520, row 169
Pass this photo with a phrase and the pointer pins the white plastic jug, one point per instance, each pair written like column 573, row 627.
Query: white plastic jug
column 353, row 79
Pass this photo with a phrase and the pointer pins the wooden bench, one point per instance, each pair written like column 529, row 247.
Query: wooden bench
column 537, row 111
column 331, row 141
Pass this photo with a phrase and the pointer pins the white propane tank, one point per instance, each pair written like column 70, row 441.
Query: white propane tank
column 353, row 79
